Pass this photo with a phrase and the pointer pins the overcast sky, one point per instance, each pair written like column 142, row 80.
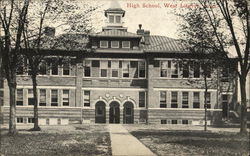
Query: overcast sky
column 160, row 21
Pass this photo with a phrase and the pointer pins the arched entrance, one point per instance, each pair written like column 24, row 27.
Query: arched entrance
column 128, row 113
column 100, row 112
column 114, row 112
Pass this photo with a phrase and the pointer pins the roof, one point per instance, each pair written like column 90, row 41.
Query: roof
column 163, row 44
column 116, row 33
column 66, row 42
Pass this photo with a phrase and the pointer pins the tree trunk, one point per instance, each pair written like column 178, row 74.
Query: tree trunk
column 12, row 115
column 243, row 117
column 205, row 103
column 36, row 126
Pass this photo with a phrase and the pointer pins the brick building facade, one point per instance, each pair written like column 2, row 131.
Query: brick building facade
column 124, row 78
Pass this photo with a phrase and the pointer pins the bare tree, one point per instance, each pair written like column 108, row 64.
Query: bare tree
column 226, row 24
column 13, row 15
column 35, row 38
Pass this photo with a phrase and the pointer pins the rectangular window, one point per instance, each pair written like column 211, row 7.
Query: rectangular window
column 174, row 122
column 125, row 44
column 87, row 69
column 164, row 68
column 125, row 69
column 142, row 99
column 114, row 44
column 95, row 63
column 134, row 64
column 163, row 121
column 54, row 97
column 66, row 69
column 118, row 19
column 103, row 44
column 184, row 99
column 196, row 70
column 19, row 120
column 163, row 99
column 54, row 69
column 174, row 99
column 208, row 100
column 19, row 97
column 86, row 98
column 185, row 122
column 111, row 19
column 104, row 68
column 141, row 69
column 31, row 120
column 196, row 100
column 65, row 98
column 174, row 70
column 42, row 99
column 185, row 70
column 114, row 68
column 30, row 97
column 225, row 74
column 43, row 68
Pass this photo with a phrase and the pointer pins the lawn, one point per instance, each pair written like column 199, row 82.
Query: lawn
column 58, row 140
column 181, row 140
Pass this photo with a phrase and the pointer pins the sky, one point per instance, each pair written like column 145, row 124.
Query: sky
column 159, row 21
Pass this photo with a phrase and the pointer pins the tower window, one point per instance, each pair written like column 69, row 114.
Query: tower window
column 118, row 19
column 111, row 18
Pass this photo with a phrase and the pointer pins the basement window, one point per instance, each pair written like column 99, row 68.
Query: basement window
column 163, row 121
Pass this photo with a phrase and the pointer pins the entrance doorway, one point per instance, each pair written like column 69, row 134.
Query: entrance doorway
column 100, row 112
column 128, row 113
column 114, row 112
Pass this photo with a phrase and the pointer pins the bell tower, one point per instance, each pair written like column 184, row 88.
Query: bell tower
column 114, row 15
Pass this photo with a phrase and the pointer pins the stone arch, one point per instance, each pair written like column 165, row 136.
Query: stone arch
column 100, row 112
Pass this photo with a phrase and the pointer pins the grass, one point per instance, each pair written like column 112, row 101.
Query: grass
column 165, row 141
column 58, row 140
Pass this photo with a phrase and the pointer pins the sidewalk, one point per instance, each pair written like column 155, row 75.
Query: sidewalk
column 123, row 143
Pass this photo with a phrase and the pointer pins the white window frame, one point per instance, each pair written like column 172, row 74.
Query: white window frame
column 123, row 42
column 166, row 94
column 112, row 68
column 87, row 65
column 57, row 97
column 102, row 67
column 51, row 67
column 22, row 96
column 63, row 70
column 39, row 99
column 63, row 97
column 84, row 98
column 123, row 64
column 107, row 44
column 176, row 99
column 144, row 99
column 115, row 19
column 30, row 96
column 115, row 46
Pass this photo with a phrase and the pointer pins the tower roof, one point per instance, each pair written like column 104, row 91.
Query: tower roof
column 115, row 7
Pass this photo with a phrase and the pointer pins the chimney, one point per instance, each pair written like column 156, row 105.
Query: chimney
column 50, row 31
column 146, row 37
column 140, row 31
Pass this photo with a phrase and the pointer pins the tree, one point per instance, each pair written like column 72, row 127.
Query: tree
column 36, row 37
column 12, row 16
column 226, row 24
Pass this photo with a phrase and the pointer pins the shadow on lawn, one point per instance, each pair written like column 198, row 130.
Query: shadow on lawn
column 208, row 142
column 182, row 133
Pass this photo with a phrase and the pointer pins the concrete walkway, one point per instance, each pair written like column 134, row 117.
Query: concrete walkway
column 123, row 143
